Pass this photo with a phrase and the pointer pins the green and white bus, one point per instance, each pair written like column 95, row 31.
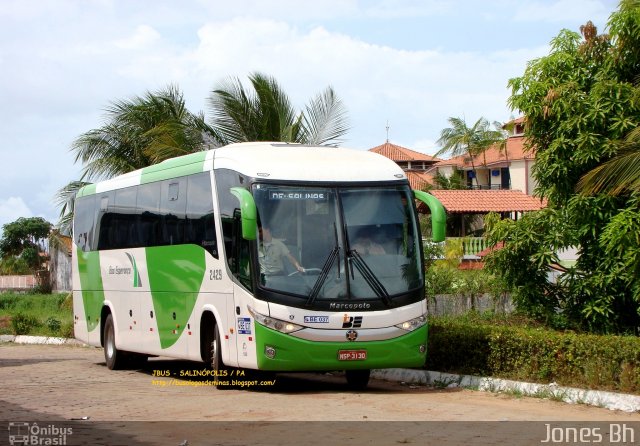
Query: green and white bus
column 172, row 260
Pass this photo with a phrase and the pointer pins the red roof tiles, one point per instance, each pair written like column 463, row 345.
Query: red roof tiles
column 399, row 153
column 483, row 201
column 515, row 148
column 418, row 179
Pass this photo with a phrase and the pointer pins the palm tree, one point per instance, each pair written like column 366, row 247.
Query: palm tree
column 266, row 114
column 460, row 139
column 147, row 130
column 140, row 132
column 620, row 174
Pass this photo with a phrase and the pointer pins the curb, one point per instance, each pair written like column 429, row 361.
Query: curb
column 40, row 340
column 571, row 395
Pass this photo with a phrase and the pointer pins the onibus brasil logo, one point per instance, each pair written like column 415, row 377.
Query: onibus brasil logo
column 23, row 433
column 133, row 269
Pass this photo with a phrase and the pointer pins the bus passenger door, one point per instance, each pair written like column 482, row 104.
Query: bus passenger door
column 244, row 336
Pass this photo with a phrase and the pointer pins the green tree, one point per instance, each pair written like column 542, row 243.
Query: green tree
column 580, row 103
column 460, row 139
column 23, row 242
column 266, row 114
column 453, row 182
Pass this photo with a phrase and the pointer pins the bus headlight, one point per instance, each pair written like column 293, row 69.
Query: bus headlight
column 414, row 323
column 273, row 323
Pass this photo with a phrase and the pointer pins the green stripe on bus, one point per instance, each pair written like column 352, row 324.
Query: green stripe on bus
column 89, row 189
column 294, row 354
column 91, row 285
column 174, row 167
column 175, row 276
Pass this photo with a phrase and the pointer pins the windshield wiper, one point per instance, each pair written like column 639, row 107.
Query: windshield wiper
column 370, row 277
column 326, row 268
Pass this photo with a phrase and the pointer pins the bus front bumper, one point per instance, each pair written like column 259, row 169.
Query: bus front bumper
column 282, row 352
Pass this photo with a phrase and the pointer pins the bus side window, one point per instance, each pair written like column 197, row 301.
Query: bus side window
column 200, row 222
column 172, row 208
column 228, row 205
column 149, row 222
column 83, row 222
column 126, row 234
column 105, row 225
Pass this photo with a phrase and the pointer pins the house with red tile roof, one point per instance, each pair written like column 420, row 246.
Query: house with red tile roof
column 501, row 181
column 509, row 168
column 417, row 166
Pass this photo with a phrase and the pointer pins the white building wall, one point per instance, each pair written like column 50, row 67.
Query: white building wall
column 519, row 176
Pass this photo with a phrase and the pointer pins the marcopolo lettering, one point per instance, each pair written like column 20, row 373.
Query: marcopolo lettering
column 345, row 306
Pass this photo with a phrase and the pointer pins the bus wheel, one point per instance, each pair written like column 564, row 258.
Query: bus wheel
column 358, row 379
column 220, row 370
column 116, row 360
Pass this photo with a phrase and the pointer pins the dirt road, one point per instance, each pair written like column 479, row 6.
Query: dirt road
column 57, row 384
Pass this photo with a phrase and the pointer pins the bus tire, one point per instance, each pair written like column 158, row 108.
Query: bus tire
column 115, row 359
column 220, row 370
column 358, row 379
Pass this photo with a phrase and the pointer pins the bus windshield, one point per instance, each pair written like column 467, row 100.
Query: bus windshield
column 337, row 243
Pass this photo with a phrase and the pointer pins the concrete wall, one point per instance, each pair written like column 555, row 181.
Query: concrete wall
column 521, row 178
column 60, row 269
column 454, row 305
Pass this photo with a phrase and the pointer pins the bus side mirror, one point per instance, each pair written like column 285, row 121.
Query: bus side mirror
column 438, row 215
column 248, row 212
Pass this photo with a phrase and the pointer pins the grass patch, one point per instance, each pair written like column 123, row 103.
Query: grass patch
column 36, row 314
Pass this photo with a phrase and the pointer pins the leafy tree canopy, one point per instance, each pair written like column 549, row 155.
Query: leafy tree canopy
column 582, row 104
column 22, row 242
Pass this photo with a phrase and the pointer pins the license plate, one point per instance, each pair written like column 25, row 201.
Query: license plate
column 352, row 355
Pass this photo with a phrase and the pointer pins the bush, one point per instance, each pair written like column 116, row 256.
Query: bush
column 22, row 323
column 533, row 354
column 460, row 348
column 53, row 324
column 67, row 330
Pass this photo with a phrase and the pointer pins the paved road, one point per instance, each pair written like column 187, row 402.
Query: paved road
column 55, row 384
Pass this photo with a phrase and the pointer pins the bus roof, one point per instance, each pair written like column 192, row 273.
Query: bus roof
column 283, row 161
column 269, row 160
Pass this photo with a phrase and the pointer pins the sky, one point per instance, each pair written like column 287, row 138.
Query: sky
column 407, row 65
